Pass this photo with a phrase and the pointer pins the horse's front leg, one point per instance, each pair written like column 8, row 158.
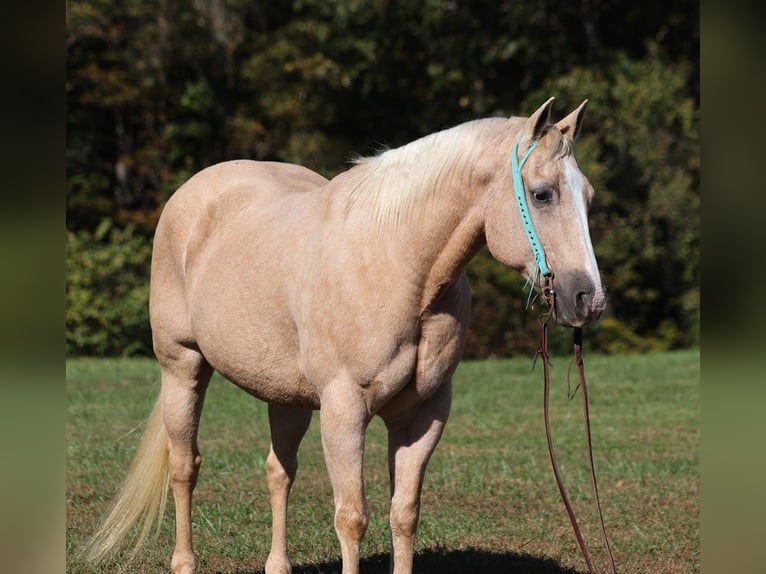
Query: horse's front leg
column 410, row 445
column 344, row 419
column 288, row 426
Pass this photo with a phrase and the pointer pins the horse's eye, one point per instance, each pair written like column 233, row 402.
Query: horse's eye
column 543, row 195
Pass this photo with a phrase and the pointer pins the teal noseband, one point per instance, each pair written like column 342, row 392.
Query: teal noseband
column 526, row 219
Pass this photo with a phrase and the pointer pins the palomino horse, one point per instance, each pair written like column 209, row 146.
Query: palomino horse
column 348, row 296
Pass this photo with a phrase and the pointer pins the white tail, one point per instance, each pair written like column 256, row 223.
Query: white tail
column 141, row 498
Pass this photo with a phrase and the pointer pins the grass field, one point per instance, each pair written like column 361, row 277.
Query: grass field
column 490, row 502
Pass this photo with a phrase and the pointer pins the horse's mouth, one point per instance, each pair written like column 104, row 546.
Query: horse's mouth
column 579, row 301
column 579, row 310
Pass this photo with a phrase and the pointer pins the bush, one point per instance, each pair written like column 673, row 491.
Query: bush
column 107, row 306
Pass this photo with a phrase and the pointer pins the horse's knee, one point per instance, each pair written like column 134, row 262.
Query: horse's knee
column 403, row 518
column 351, row 521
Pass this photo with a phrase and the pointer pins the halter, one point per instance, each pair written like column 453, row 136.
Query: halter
column 529, row 228
column 549, row 295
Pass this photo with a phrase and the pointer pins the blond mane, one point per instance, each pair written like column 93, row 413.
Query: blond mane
column 398, row 182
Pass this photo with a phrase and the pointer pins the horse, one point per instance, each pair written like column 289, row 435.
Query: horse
column 349, row 297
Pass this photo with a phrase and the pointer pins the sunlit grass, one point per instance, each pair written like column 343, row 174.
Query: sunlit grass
column 489, row 500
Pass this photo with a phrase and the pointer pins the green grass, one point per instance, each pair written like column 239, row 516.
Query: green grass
column 489, row 504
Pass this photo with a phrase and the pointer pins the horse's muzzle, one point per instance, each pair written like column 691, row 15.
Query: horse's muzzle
column 579, row 300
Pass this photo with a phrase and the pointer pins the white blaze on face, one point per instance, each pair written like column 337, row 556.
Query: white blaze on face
column 576, row 184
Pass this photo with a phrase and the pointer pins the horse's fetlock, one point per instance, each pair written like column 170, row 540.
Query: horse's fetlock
column 278, row 564
column 183, row 564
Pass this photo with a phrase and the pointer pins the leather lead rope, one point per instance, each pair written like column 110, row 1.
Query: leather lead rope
column 549, row 294
column 589, row 443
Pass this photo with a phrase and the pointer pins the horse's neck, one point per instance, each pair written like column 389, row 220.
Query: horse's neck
column 446, row 260
column 433, row 241
column 437, row 244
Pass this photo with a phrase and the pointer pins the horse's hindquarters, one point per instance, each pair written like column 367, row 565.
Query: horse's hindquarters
column 222, row 268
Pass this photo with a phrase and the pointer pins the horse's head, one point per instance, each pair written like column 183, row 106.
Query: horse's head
column 557, row 197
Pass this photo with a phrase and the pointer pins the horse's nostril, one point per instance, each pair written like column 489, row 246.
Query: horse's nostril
column 584, row 301
column 581, row 299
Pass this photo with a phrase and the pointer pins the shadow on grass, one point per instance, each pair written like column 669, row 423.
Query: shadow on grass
column 447, row 562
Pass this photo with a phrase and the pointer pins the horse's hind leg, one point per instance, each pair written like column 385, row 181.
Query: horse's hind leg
column 288, row 425
column 185, row 377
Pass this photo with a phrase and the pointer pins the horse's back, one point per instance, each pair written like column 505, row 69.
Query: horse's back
column 223, row 189
column 213, row 198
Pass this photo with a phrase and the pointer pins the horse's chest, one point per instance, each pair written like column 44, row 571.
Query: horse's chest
column 377, row 366
column 383, row 349
column 387, row 371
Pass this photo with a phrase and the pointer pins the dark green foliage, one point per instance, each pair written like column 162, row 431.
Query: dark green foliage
column 159, row 90
column 107, row 277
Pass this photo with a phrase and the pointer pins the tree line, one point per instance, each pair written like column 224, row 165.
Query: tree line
column 158, row 90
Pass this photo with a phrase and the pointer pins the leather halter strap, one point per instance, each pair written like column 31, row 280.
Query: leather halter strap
column 521, row 202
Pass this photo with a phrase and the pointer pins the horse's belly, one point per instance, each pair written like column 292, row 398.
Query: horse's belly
column 284, row 387
column 250, row 340
column 262, row 366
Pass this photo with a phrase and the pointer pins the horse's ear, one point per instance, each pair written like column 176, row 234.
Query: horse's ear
column 570, row 125
column 535, row 124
